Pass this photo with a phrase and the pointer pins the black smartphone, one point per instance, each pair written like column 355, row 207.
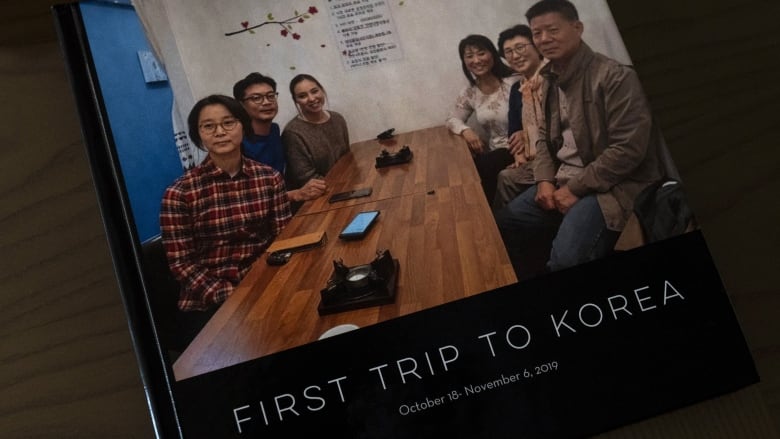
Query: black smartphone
column 357, row 193
column 360, row 225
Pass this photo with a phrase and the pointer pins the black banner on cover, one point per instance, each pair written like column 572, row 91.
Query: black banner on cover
column 574, row 353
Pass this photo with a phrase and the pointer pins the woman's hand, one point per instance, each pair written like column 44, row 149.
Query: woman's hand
column 517, row 143
column 313, row 188
column 519, row 161
column 473, row 141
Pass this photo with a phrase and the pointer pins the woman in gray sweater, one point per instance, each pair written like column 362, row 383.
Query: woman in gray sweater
column 316, row 138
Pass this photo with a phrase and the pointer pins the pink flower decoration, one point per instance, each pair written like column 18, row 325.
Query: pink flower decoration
column 286, row 24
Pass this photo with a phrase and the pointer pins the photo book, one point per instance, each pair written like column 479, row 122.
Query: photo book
column 422, row 324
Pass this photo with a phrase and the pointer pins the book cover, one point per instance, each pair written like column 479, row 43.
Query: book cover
column 570, row 353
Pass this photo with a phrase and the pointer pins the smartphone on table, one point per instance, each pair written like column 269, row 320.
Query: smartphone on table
column 360, row 225
column 343, row 196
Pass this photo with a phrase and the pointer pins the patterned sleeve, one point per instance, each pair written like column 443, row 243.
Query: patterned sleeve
column 280, row 205
column 460, row 113
column 199, row 289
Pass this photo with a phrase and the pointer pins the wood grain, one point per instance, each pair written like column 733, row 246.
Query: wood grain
column 711, row 72
column 68, row 368
column 447, row 245
column 431, row 168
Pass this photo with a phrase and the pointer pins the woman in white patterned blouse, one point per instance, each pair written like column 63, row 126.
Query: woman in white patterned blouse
column 487, row 98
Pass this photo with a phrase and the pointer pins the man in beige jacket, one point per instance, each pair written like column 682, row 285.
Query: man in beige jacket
column 595, row 152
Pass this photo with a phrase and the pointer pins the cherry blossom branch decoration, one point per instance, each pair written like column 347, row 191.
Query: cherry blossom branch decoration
column 286, row 25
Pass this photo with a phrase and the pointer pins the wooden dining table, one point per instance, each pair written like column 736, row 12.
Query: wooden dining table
column 434, row 219
column 440, row 159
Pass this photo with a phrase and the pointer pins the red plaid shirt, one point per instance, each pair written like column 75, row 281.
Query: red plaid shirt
column 214, row 227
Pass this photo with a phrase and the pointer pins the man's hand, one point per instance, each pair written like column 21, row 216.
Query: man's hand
column 313, row 188
column 473, row 141
column 544, row 195
column 564, row 199
column 517, row 143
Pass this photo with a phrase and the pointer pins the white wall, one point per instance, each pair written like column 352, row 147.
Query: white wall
column 415, row 92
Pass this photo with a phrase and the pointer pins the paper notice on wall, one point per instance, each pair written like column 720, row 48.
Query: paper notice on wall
column 365, row 32
column 189, row 154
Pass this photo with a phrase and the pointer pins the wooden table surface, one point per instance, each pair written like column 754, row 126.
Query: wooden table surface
column 441, row 231
column 430, row 169
column 711, row 72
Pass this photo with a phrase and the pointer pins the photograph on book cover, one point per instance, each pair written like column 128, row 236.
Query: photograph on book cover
column 390, row 65
column 586, row 211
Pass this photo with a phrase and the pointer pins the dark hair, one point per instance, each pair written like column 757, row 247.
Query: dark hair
column 563, row 7
column 303, row 77
column 232, row 105
column 500, row 70
column 518, row 30
column 251, row 79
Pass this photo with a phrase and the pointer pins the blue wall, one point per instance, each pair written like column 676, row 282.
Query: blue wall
column 139, row 113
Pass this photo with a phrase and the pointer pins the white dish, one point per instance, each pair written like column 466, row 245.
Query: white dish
column 340, row 329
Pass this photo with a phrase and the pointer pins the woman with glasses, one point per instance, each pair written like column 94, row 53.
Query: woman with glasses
column 221, row 215
column 487, row 98
column 525, row 111
column 257, row 93
column 316, row 138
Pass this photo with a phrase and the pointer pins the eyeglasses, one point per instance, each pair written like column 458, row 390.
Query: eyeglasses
column 519, row 49
column 258, row 99
column 211, row 127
